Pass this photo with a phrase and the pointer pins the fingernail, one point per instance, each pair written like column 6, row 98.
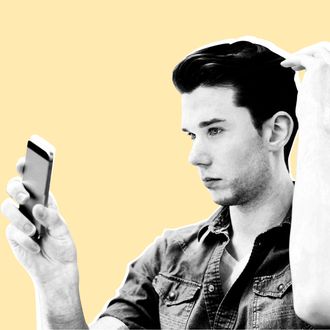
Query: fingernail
column 22, row 198
column 28, row 229
column 41, row 214
column 36, row 248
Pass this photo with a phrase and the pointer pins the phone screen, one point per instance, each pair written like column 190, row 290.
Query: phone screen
column 36, row 177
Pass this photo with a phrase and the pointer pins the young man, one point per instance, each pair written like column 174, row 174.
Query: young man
column 232, row 271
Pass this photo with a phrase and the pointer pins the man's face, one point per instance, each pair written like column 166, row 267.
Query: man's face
column 230, row 154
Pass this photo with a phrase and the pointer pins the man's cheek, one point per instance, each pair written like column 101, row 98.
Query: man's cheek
column 238, row 157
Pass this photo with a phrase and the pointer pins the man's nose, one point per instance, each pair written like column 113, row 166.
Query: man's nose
column 199, row 155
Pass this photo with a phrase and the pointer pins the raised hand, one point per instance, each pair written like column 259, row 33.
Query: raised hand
column 55, row 254
column 313, row 104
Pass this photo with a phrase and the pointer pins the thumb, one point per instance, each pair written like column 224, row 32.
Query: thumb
column 51, row 220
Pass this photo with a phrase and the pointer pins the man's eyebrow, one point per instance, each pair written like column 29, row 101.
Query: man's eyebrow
column 207, row 123
column 210, row 122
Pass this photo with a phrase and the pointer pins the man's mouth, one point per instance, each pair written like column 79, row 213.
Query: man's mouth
column 210, row 182
column 208, row 179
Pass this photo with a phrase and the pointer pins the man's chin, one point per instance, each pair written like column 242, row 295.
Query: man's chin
column 223, row 198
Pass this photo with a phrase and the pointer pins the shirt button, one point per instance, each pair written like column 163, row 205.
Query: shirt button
column 211, row 288
column 171, row 295
column 280, row 287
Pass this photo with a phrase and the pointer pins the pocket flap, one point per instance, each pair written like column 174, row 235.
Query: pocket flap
column 174, row 290
column 273, row 285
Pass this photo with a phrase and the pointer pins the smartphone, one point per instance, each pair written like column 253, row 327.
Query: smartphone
column 36, row 177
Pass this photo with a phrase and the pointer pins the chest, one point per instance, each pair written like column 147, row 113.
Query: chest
column 190, row 290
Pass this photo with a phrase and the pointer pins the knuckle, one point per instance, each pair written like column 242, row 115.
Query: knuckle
column 16, row 219
column 24, row 240
column 6, row 207
column 15, row 186
column 10, row 186
column 27, row 227
column 9, row 231
column 17, row 238
column 15, row 180
column 3, row 207
column 12, row 233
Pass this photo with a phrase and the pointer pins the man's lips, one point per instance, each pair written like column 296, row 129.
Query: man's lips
column 208, row 179
column 210, row 182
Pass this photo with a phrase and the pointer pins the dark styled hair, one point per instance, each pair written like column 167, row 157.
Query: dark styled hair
column 262, row 85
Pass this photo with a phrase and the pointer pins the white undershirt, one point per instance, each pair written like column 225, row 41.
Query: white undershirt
column 230, row 269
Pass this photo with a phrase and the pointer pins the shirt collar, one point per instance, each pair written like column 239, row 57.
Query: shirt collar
column 219, row 223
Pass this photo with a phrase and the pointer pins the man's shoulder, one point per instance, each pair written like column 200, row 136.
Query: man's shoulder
column 186, row 231
column 189, row 232
column 175, row 244
column 176, row 250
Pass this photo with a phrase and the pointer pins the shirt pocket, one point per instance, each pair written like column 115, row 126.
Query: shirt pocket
column 273, row 302
column 176, row 300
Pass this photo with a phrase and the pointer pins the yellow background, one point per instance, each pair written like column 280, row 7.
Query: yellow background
column 94, row 78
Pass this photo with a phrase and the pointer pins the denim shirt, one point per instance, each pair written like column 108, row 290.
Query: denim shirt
column 176, row 283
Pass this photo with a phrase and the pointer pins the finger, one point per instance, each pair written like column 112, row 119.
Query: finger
column 20, row 165
column 313, row 50
column 17, row 191
column 320, row 51
column 300, row 61
column 325, row 55
column 17, row 239
column 51, row 220
column 17, row 219
column 298, row 68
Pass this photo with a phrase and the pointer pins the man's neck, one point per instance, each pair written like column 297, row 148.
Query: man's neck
column 250, row 220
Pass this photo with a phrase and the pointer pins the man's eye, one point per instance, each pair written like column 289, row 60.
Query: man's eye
column 214, row 131
column 192, row 136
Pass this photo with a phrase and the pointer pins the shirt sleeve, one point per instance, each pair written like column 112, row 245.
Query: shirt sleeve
column 137, row 302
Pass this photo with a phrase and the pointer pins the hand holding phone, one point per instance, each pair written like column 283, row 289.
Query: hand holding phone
column 55, row 253
column 36, row 177
column 52, row 261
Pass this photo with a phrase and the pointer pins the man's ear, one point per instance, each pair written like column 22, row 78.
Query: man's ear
column 277, row 130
